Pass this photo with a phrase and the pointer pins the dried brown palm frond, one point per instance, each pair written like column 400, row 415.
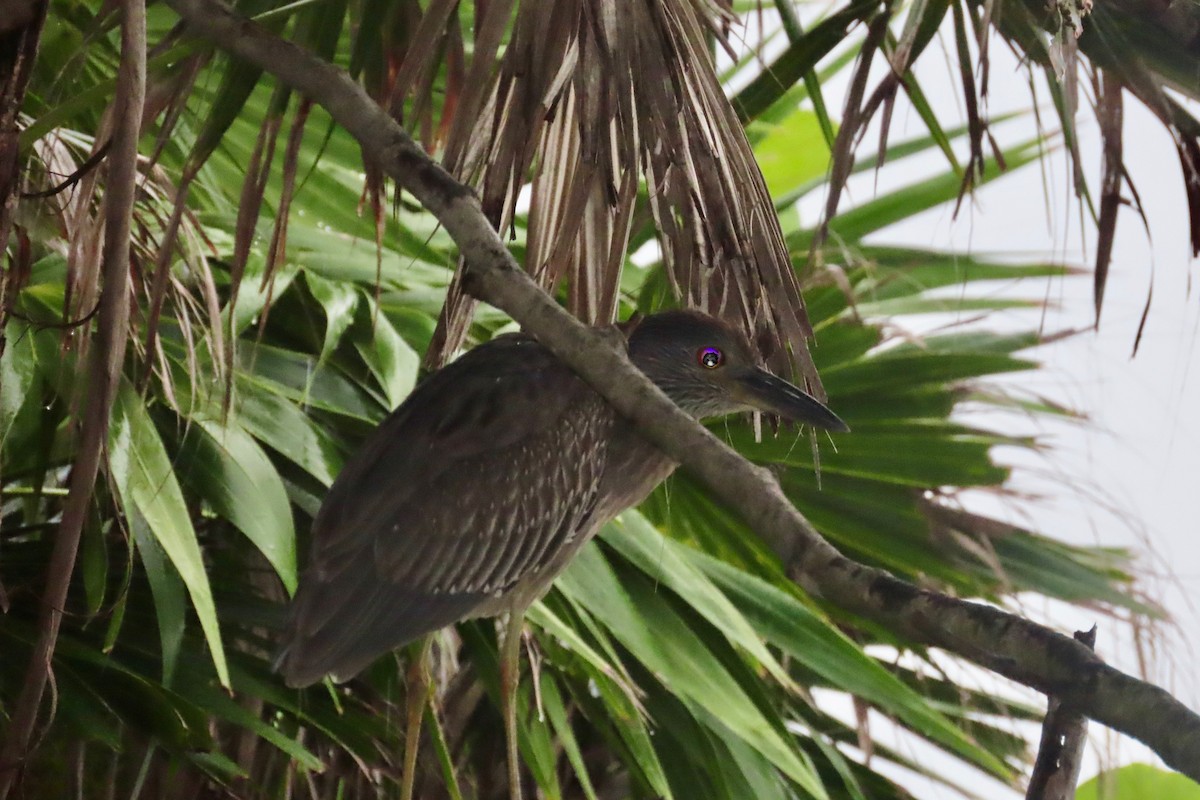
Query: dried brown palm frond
column 62, row 208
column 590, row 99
column 1146, row 49
column 1091, row 55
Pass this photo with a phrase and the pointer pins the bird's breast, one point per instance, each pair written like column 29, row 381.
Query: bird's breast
column 633, row 469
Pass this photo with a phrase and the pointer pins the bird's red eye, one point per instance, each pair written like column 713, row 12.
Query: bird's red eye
column 710, row 357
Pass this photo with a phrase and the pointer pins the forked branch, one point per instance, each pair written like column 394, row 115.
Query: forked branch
column 1004, row 643
column 1060, row 754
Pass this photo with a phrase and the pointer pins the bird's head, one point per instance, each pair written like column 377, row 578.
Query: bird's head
column 709, row 370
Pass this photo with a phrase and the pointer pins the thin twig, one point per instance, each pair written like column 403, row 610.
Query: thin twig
column 87, row 166
column 104, row 373
column 1005, row 643
column 64, row 325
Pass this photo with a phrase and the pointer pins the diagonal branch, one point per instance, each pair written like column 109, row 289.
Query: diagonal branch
column 1007, row 644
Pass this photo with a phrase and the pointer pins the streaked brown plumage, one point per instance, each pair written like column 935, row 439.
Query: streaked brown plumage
column 475, row 493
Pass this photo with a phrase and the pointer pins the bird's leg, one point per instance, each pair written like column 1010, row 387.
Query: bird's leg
column 417, row 690
column 510, row 674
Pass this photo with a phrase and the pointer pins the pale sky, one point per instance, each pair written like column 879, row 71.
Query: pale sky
column 1140, row 454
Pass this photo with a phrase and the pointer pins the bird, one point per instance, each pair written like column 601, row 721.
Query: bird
column 474, row 494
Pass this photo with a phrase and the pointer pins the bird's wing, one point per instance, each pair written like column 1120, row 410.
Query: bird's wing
column 480, row 477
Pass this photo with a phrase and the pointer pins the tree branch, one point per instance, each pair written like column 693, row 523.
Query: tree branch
column 1060, row 754
column 1009, row 645
column 104, row 370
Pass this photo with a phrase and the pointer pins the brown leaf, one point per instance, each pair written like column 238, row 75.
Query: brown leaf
column 258, row 170
column 277, row 250
column 162, row 271
column 1110, row 113
column 423, row 54
column 976, row 124
column 1189, row 159
column 855, row 116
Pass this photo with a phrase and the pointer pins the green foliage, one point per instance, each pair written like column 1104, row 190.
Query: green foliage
column 674, row 657
column 1135, row 781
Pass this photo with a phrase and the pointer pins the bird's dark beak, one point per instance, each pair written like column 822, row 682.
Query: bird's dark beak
column 766, row 392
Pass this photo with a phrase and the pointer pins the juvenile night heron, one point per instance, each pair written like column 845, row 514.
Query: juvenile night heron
column 476, row 492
